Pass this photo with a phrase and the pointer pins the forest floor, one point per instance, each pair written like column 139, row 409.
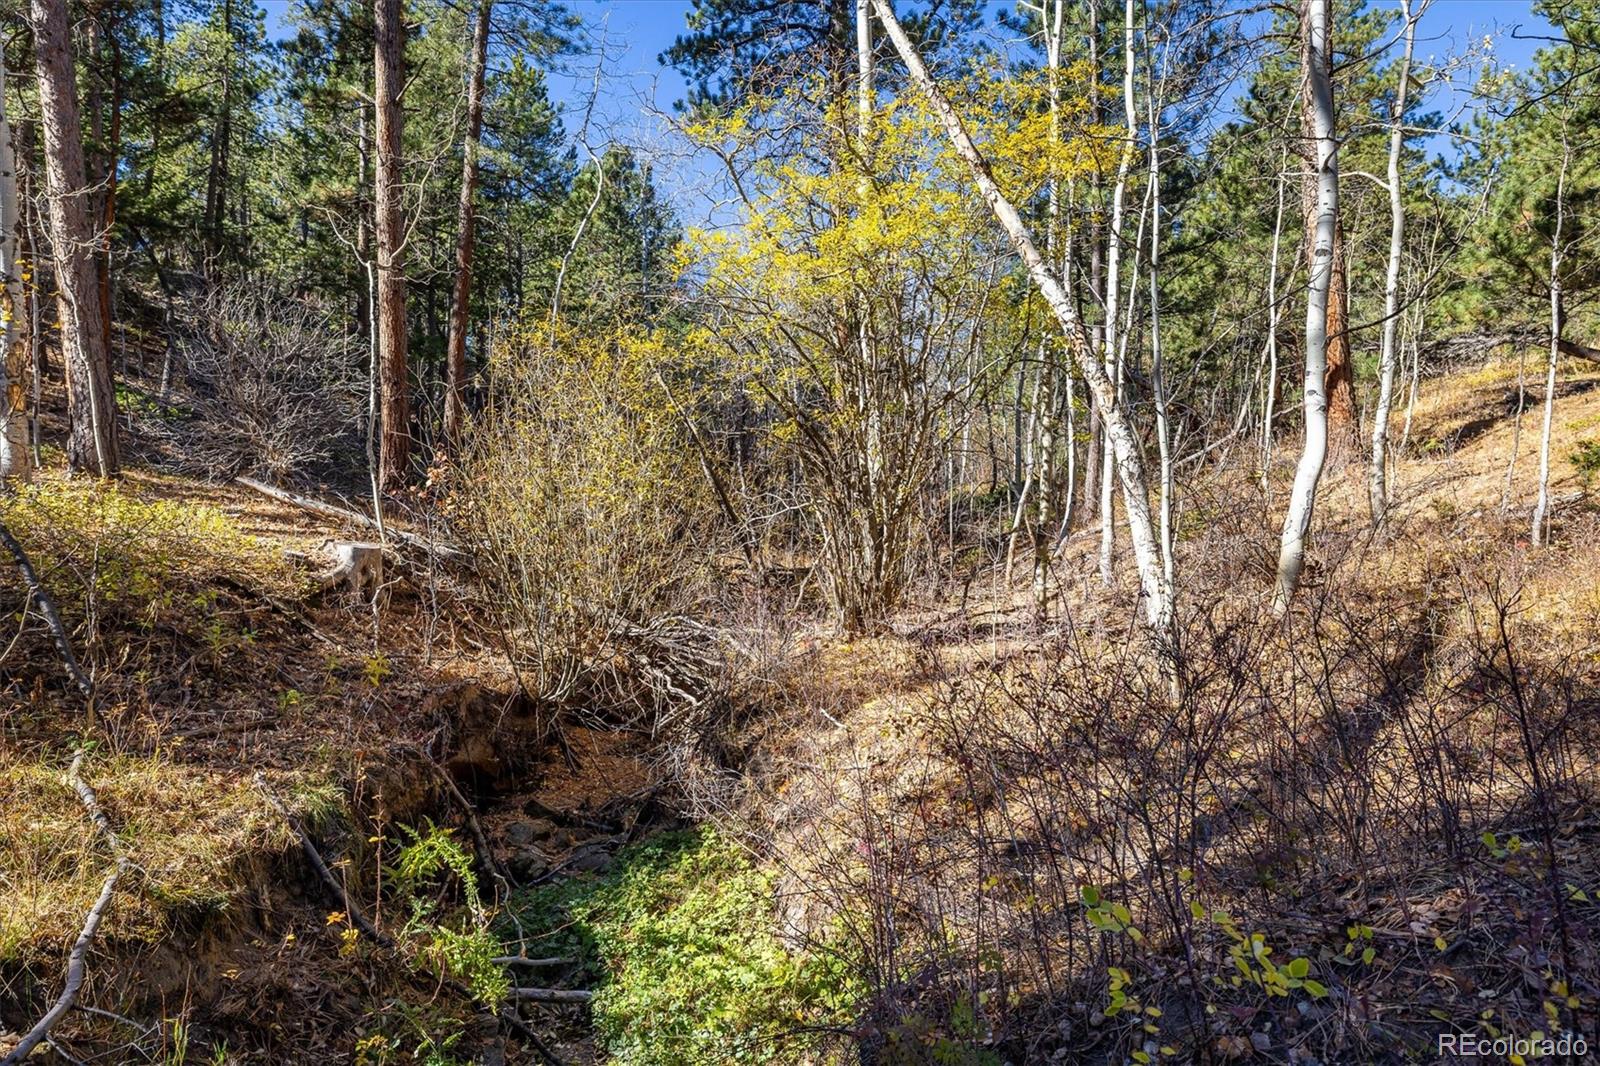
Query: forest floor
column 915, row 802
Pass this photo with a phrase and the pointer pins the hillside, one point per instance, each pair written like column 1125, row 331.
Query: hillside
column 959, row 778
column 799, row 533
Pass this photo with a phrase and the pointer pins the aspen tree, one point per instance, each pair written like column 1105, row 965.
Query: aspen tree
column 14, row 457
column 1303, row 498
column 1157, row 594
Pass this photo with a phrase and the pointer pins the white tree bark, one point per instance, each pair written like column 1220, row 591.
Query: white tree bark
column 1302, row 500
column 1158, row 383
column 1378, row 488
column 1114, row 247
column 1273, row 313
column 1541, row 509
column 865, row 91
column 1157, row 593
column 14, row 456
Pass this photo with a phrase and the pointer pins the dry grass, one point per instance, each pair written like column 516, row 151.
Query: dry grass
column 195, row 835
column 946, row 815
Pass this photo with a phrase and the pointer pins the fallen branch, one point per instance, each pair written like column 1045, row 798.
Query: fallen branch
column 522, row 1029
column 314, row 857
column 344, row 514
column 382, row 939
column 553, row 995
column 47, row 607
column 523, row 960
column 479, row 839
column 40, row 1033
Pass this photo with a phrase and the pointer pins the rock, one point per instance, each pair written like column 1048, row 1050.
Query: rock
column 590, row 859
column 528, row 864
column 522, row 833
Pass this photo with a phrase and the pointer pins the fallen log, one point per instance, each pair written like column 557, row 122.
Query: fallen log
column 553, row 995
column 344, row 514
column 76, row 958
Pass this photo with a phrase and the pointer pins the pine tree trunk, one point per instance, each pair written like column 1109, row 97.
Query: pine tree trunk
column 456, row 349
column 1340, row 375
column 91, row 404
column 394, row 451
column 217, row 171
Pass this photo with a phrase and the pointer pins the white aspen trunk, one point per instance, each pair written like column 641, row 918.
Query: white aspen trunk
column 1541, row 509
column 1047, row 424
column 1157, row 594
column 1416, row 374
column 1273, row 312
column 1025, row 463
column 14, row 455
column 864, row 86
column 1378, row 488
column 1051, row 21
column 1303, row 498
column 1158, row 385
column 1113, row 271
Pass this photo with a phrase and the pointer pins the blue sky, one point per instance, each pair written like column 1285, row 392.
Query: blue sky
column 634, row 83
column 637, row 31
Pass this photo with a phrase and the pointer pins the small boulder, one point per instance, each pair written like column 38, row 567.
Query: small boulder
column 529, row 864
column 522, row 833
column 590, row 859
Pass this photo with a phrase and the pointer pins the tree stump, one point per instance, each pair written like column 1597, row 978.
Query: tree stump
column 358, row 566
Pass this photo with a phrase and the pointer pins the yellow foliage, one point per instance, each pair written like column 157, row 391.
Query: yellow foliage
column 582, row 484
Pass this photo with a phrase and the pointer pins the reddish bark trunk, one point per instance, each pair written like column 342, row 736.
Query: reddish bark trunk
column 91, row 404
column 456, row 349
column 394, row 451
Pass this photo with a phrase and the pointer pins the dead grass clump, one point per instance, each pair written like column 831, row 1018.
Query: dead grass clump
column 191, row 833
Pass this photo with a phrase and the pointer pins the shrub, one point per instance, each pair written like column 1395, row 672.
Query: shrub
column 682, row 934
column 581, row 486
column 427, row 866
column 275, row 384
column 1585, row 459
